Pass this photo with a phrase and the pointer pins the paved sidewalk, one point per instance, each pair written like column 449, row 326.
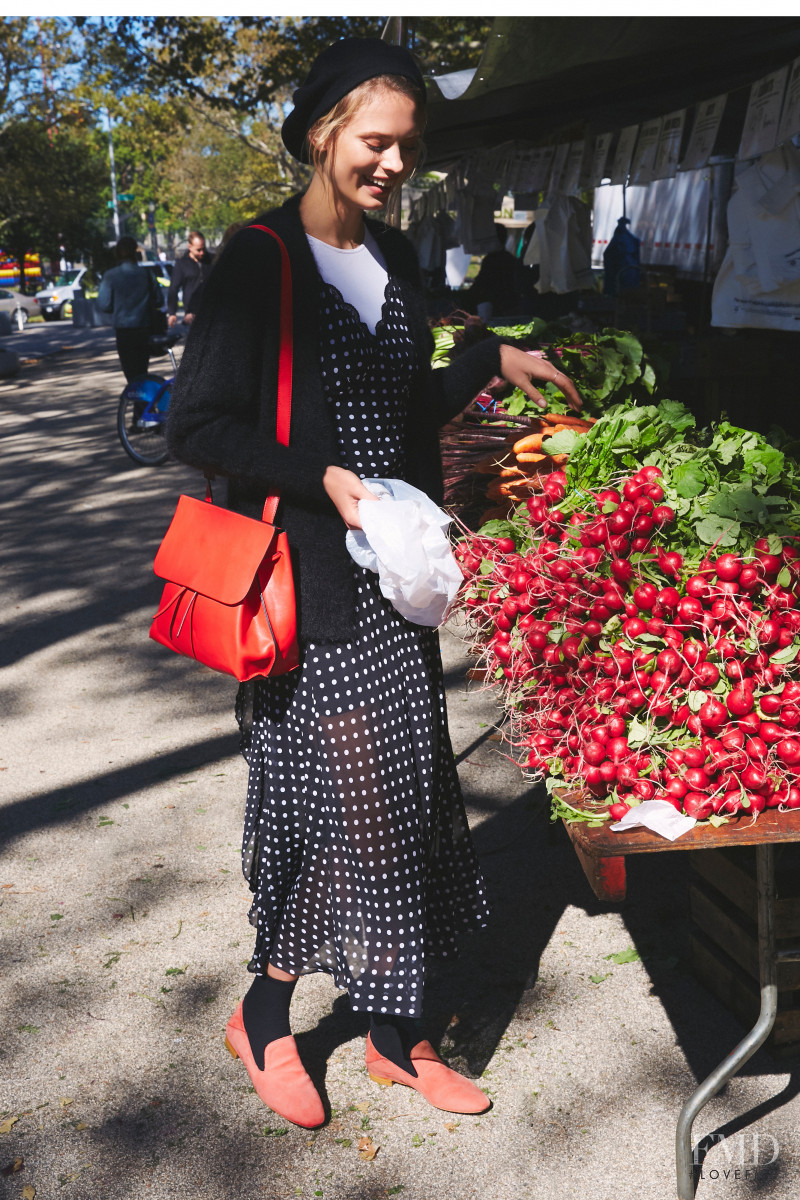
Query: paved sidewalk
column 125, row 932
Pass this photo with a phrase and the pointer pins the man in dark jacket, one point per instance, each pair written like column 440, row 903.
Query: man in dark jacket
column 190, row 273
column 132, row 297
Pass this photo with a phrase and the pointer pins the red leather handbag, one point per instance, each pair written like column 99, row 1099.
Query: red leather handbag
column 229, row 600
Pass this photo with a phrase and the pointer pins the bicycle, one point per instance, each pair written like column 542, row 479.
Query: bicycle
column 143, row 406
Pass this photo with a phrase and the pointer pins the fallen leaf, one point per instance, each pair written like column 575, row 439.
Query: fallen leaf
column 28, row 1192
column 367, row 1149
column 8, row 1124
column 17, row 1165
column 451, row 1126
column 64, row 1101
column 81, row 1125
column 363, row 1106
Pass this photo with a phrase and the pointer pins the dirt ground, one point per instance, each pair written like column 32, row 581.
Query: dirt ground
column 124, row 913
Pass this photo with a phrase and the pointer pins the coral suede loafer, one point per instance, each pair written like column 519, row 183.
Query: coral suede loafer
column 440, row 1085
column 284, row 1084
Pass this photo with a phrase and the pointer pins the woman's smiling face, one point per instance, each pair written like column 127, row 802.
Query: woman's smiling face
column 375, row 152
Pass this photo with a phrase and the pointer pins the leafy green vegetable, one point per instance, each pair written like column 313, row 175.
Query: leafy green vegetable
column 727, row 486
column 561, row 442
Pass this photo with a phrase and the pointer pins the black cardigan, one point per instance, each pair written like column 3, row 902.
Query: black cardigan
column 223, row 407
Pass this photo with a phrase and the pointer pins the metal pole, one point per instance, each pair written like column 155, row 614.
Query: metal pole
column 768, row 971
column 707, row 255
column 395, row 31
column 114, row 201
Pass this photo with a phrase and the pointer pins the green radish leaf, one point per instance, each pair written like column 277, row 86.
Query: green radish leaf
column 487, row 566
column 775, row 543
column 497, row 529
column 638, row 733
column 498, row 673
column 715, row 530
column 689, row 479
column 562, row 442
column 624, row 956
column 784, row 577
column 716, row 820
column 696, row 700
column 516, row 406
column 787, row 654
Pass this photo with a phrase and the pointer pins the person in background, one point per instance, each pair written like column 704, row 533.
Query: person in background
column 621, row 260
column 190, row 273
column 132, row 296
column 499, row 280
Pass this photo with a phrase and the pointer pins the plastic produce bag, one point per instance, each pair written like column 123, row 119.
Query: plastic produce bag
column 404, row 542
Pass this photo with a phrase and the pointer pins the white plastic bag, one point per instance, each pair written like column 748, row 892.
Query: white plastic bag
column 403, row 540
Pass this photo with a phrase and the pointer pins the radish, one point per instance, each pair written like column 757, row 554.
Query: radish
column 740, row 701
column 617, row 810
column 788, row 751
column 754, row 777
column 645, row 595
column 712, row 713
column 698, row 805
column 694, row 756
column 728, row 566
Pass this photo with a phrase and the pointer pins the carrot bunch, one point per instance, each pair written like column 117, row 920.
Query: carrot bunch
column 522, row 464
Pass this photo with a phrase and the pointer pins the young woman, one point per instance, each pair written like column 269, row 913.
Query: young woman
column 355, row 844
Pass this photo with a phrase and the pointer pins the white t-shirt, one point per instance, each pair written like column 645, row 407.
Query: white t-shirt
column 359, row 274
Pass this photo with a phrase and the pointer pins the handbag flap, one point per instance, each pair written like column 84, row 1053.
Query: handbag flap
column 212, row 550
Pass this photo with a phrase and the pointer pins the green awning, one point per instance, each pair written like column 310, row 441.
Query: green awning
column 543, row 78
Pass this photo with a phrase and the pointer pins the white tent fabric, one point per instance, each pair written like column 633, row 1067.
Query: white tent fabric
column 669, row 216
column 758, row 285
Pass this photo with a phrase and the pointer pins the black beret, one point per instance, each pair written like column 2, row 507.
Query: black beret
column 334, row 73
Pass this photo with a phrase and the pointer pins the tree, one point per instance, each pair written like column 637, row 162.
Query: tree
column 49, row 189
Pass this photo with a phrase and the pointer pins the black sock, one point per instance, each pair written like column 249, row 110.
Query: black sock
column 394, row 1038
column 265, row 1012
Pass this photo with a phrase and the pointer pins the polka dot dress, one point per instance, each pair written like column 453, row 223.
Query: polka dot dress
column 356, row 843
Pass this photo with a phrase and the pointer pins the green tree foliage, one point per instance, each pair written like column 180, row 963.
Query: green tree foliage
column 196, row 105
column 49, row 184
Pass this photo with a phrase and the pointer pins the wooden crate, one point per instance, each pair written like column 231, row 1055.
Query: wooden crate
column 724, row 936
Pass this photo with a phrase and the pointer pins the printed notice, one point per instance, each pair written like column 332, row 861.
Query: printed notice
column 645, row 156
column 600, row 167
column 557, row 170
column 790, row 121
column 669, row 145
column 571, row 179
column 624, row 154
column 704, row 133
column 540, row 167
column 760, row 131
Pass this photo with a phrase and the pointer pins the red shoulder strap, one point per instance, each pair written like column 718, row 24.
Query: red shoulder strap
column 284, row 360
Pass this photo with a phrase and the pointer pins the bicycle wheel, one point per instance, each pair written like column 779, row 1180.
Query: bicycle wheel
column 141, row 419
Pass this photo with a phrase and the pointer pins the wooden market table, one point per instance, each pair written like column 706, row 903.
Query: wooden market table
column 602, row 855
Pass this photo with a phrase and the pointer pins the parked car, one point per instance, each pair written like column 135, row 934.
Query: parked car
column 18, row 306
column 55, row 300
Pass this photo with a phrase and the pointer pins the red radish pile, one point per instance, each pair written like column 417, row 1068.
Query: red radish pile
column 631, row 674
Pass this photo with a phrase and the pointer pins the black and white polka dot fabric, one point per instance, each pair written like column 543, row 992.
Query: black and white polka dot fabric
column 356, row 843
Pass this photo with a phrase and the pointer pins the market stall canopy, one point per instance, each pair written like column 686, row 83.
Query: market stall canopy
column 541, row 76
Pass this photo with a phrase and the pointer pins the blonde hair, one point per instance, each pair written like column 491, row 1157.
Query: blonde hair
column 320, row 141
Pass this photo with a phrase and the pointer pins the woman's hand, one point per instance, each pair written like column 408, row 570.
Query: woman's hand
column 345, row 490
column 519, row 368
